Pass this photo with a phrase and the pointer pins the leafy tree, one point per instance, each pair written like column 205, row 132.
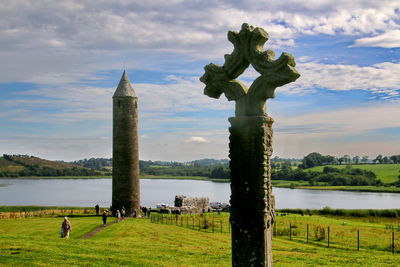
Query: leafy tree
column 395, row 158
column 378, row 159
column 313, row 159
column 347, row 159
column 356, row 159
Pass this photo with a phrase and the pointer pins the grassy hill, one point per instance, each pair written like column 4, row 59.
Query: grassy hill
column 24, row 165
column 138, row 242
column 387, row 173
column 9, row 166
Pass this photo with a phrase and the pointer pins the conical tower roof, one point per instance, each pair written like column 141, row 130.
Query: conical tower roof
column 124, row 87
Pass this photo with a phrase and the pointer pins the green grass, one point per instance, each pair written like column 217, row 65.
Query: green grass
column 382, row 189
column 387, row 173
column 286, row 183
column 138, row 242
column 159, row 166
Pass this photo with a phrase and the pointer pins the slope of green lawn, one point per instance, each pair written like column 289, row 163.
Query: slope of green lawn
column 387, row 173
column 138, row 242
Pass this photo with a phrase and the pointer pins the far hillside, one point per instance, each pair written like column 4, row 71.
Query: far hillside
column 387, row 173
column 25, row 166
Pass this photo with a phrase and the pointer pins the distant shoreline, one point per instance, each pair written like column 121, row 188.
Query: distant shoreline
column 166, row 177
column 275, row 183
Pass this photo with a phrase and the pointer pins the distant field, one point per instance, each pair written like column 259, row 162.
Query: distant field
column 387, row 173
column 383, row 189
column 286, row 183
column 138, row 242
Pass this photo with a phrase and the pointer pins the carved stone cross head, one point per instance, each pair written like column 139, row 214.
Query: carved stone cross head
column 248, row 49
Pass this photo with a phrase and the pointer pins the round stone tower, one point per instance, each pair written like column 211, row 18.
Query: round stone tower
column 125, row 184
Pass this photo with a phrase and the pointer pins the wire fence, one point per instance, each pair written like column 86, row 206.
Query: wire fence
column 339, row 236
column 200, row 222
column 368, row 237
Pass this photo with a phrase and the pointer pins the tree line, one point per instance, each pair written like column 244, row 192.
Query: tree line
column 329, row 176
column 316, row 159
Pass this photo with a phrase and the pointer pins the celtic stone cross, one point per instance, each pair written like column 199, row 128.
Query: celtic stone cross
column 250, row 147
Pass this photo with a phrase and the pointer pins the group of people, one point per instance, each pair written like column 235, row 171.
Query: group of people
column 120, row 214
column 66, row 226
column 146, row 211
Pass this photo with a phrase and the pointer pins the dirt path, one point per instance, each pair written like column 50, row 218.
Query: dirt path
column 95, row 231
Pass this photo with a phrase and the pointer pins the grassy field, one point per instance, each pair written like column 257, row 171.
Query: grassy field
column 387, row 173
column 138, row 242
column 287, row 183
column 382, row 189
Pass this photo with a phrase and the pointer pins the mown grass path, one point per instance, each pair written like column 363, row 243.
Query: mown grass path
column 95, row 231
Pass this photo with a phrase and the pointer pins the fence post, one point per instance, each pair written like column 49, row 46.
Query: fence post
column 290, row 230
column 328, row 235
column 393, row 242
column 358, row 240
column 307, row 233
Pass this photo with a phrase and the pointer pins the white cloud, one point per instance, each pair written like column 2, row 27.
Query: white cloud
column 85, row 36
column 197, row 139
column 389, row 39
column 382, row 79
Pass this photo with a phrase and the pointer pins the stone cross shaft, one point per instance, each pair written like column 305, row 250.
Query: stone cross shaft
column 250, row 146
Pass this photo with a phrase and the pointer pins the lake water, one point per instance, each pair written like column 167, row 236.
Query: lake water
column 89, row 192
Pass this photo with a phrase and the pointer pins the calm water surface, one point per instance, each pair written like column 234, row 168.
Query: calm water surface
column 89, row 192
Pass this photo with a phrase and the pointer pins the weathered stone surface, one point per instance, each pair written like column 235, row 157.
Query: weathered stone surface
column 250, row 147
column 248, row 45
column 252, row 203
column 125, row 184
column 192, row 204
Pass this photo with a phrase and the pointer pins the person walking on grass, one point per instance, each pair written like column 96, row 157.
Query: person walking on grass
column 104, row 216
column 123, row 212
column 66, row 228
column 118, row 216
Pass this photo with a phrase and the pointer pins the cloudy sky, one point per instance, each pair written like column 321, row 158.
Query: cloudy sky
column 60, row 62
